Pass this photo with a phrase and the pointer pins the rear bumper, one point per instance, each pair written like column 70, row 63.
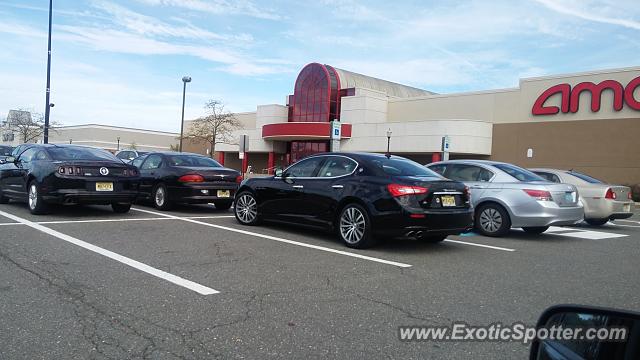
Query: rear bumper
column 545, row 213
column 608, row 209
column 433, row 224
column 74, row 196
column 201, row 194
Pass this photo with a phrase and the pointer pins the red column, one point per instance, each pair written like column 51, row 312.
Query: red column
column 245, row 162
column 435, row 157
column 271, row 162
column 221, row 157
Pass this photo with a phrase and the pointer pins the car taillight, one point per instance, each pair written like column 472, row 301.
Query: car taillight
column 541, row 195
column 191, row 178
column 402, row 190
column 630, row 196
column 69, row 170
column 610, row 194
column 467, row 192
column 61, row 170
column 239, row 179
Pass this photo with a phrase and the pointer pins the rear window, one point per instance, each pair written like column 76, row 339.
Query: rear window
column 80, row 153
column 5, row 150
column 519, row 173
column 402, row 167
column 586, row 178
column 192, row 160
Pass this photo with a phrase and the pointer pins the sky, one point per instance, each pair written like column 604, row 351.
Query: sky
column 120, row 62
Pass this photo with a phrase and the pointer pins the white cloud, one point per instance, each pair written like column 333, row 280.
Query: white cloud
column 602, row 12
column 219, row 7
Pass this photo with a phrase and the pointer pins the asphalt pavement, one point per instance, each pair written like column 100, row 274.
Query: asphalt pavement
column 192, row 283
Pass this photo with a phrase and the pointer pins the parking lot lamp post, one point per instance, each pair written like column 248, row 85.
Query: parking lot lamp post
column 185, row 80
column 388, row 143
column 48, row 91
column 118, row 148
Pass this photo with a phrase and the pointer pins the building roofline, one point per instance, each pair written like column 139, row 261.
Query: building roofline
column 582, row 73
column 111, row 127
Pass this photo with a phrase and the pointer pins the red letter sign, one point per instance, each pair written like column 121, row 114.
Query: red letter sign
column 596, row 94
column 628, row 94
column 540, row 109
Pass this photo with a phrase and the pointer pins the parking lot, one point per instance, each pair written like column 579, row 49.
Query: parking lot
column 85, row 282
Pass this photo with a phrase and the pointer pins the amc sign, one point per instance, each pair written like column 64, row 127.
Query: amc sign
column 570, row 100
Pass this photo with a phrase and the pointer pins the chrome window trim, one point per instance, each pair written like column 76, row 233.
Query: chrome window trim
column 318, row 177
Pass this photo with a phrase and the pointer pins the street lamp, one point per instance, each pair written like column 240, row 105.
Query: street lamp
column 185, row 80
column 388, row 142
column 48, row 91
column 118, row 149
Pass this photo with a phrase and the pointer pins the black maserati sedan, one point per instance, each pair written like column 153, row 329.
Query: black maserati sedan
column 173, row 177
column 68, row 174
column 360, row 196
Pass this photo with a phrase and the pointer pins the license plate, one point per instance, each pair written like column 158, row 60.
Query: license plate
column 626, row 208
column 448, row 200
column 104, row 186
column 224, row 193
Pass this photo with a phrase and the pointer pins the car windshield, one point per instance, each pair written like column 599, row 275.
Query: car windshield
column 402, row 167
column 80, row 153
column 586, row 178
column 5, row 150
column 519, row 173
column 192, row 160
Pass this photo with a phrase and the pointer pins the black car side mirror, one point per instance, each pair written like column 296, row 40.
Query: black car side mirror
column 278, row 172
column 583, row 332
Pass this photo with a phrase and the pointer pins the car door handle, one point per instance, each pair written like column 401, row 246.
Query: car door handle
column 337, row 186
column 298, row 186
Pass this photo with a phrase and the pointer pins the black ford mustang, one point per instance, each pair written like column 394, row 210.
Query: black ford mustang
column 361, row 196
column 68, row 174
column 173, row 177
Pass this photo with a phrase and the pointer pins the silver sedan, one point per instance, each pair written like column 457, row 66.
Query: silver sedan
column 506, row 196
column 602, row 202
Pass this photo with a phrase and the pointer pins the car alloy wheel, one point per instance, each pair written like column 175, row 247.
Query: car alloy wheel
column 490, row 220
column 33, row 196
column 160, row 196
column 352, row 225
column 246, row 209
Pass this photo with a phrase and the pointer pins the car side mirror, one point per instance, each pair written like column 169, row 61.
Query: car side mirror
column 582, row 332
column 278, row 172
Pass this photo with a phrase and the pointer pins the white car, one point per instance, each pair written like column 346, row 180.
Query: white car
column 602, row 202
column 128, row 155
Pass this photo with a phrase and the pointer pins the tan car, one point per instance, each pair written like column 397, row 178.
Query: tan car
column 602, row 202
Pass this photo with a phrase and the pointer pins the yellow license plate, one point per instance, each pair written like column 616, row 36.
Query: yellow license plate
column 224, row 193
column 448, row 200
column 104, row 186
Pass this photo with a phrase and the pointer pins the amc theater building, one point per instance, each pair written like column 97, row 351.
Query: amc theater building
column 586, row 121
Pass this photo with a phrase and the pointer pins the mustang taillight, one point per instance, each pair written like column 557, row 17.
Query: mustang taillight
column 191, row 178
column 541, row 195
column 403, row 190
column 239, row 179
column 69, row 170
column 610, row 194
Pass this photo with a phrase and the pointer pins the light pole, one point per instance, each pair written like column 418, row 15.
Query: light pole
column 185, row 80
column 48, row 91
column 118, row 149
column 388, row 143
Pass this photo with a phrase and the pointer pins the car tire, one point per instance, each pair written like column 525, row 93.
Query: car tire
column 245, row 209
column 36, row 204
column 160, row 198
column 354, row 227
column 3, row 199
column 223, row 205
column 120, row 208
column 596, row 222
column 434, row 239
column 535, row 229
column 492, row 220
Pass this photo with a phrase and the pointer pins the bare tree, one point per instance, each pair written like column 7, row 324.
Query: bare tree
column 27, row 124
column 214, row 128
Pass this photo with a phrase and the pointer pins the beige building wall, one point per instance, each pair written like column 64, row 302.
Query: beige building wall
column 106, row 137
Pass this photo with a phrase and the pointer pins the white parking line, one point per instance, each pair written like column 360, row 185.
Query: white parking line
column 581, row 233
column 287, row 241
column 201, row 289
column 115, row 220
column 480, row 245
